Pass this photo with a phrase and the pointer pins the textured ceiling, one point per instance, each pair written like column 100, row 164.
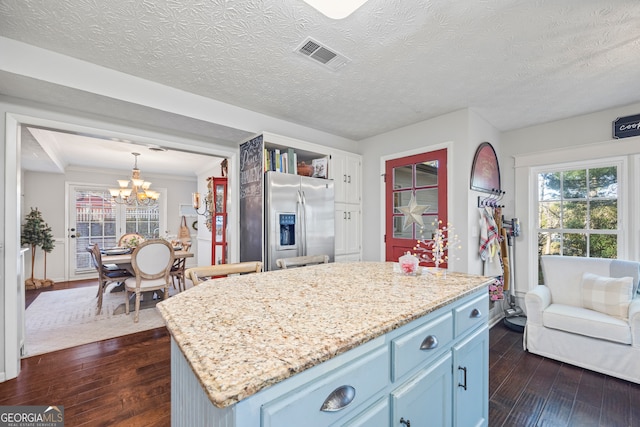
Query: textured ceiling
column 516, row 63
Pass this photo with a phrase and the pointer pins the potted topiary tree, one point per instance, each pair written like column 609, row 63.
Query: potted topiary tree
column 37, row 233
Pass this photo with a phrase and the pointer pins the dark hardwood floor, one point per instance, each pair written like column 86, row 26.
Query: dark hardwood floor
column 529, row 390
column 126, row 381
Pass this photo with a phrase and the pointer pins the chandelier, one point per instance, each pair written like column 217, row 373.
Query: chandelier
column 139, row 193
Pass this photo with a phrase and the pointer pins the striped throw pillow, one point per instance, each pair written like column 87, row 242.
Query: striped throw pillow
column 607, row 295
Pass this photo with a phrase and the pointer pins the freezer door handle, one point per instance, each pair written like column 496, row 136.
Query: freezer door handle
column 303, row 227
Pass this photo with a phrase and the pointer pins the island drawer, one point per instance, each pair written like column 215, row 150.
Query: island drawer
column 471, row 314
column 352, row 384
column 421, row 344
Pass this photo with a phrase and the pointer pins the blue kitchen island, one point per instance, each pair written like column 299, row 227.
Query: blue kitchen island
column 352, row 344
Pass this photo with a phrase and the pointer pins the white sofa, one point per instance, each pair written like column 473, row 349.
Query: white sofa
column 567, row 322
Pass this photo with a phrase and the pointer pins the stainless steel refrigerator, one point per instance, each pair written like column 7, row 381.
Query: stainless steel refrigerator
column 298, row 217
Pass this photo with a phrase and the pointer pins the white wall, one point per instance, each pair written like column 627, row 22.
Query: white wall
column 46, row 191
column 461, row 132
column 582, row 138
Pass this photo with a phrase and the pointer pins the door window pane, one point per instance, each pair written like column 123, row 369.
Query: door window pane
column 403, row 177
column 400, row 198
column 398, row 231
column 428, row 198
column 143, row 220
column 93, row 209
column 427, row 174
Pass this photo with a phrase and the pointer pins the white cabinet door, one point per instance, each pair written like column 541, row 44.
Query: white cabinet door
column 471, row 380
column 352, row 232
column 352, row 187
column 345, row 171
column 347, row 228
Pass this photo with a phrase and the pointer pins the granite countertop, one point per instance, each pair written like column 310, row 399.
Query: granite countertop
column 244, row 333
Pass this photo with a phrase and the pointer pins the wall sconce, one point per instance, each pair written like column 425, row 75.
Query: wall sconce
column 208, row 204
column 196, row 201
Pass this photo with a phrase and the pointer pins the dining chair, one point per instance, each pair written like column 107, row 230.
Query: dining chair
column 178, row 267
column 107, row 273
column 301, row 261
column 198, row 275
column 125, row 239
column 151, row 262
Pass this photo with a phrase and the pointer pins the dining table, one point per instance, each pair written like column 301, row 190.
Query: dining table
column 123, row 260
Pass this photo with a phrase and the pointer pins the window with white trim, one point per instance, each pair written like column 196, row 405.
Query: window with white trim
column 578, row 210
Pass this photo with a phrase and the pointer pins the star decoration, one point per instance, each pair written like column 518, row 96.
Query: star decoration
column 412, row 213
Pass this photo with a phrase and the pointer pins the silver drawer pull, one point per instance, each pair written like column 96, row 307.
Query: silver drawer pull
column 475, row 313
column 339, row 399
column 429, row 343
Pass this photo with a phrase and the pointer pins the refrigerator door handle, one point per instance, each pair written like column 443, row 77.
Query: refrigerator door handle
column 303, row 225
column 300, row 224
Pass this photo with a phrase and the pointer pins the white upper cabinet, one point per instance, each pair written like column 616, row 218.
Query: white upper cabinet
column 345, row 170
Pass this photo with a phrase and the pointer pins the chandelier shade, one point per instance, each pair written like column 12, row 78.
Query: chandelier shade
column 138, row 194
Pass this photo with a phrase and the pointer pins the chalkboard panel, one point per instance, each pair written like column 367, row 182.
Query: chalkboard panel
column 251, row 199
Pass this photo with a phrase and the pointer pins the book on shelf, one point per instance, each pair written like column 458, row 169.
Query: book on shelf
column 291, row 161
column 280, row 160
column 320, row 167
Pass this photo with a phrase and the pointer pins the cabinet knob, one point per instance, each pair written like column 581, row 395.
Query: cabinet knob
column 339, row 399
column 405, row 422
column 429, row 343
column 475, row 313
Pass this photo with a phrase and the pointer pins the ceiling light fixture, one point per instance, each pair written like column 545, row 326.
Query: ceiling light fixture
column 336, row 9
column 139, row 193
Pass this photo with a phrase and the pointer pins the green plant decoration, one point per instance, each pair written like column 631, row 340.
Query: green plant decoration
column 37, row 233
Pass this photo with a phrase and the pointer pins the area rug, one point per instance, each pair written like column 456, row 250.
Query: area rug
column 67, row 318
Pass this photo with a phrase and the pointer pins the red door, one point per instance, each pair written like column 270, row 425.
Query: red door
column 421, row 178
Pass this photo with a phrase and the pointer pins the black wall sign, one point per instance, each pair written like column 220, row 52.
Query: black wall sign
column 624, row 127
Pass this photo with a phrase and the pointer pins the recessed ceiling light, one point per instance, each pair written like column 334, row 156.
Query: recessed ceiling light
column 336, row 9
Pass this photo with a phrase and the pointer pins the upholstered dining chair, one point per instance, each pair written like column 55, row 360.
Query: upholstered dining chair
column 178, row 269
column 301, row 261
column 198, row 275
column 130, row 240
column 107, row 274
column 151, row 262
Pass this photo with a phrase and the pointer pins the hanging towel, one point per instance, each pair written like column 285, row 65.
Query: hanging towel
column 490, row 243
